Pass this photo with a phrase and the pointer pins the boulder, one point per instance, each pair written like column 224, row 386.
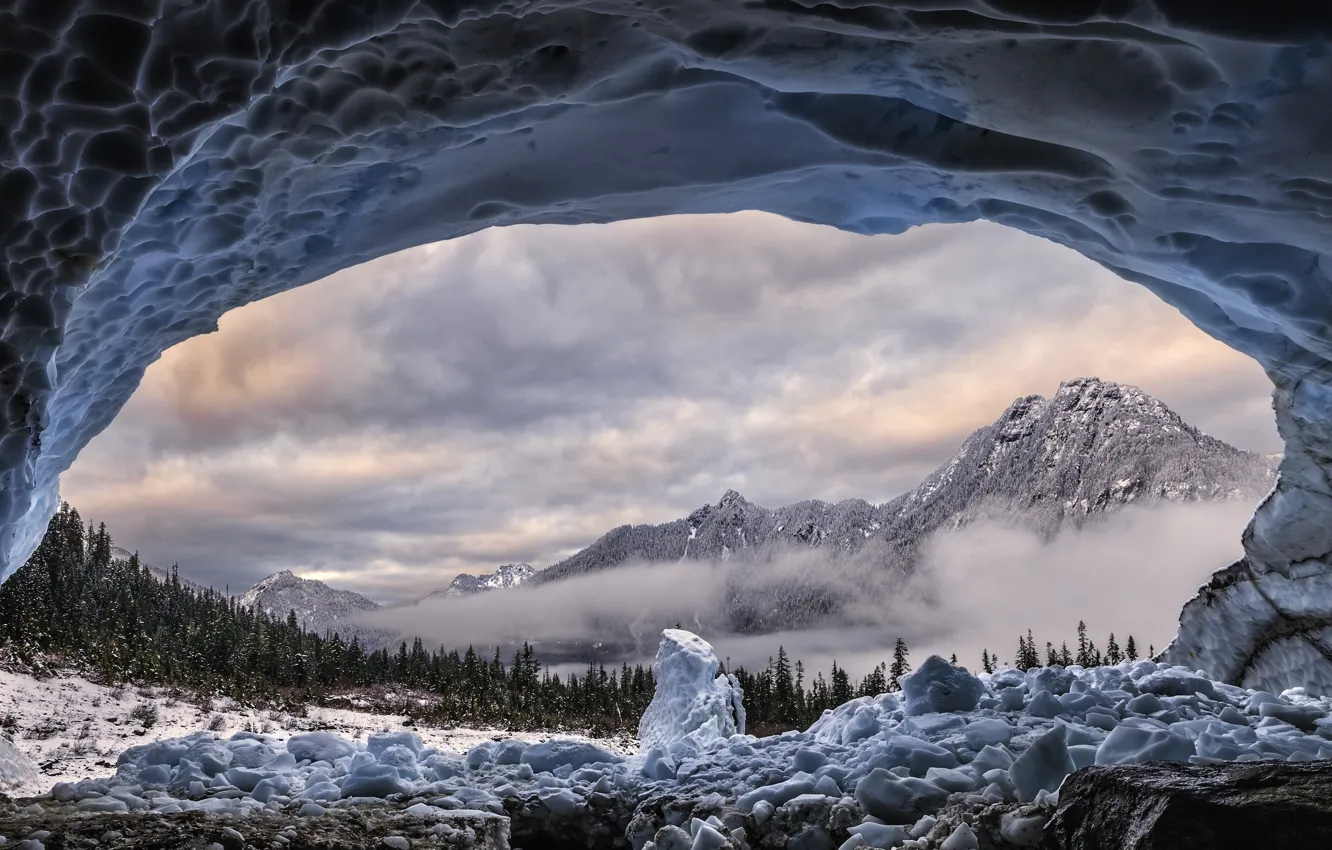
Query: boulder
column 1172, row 806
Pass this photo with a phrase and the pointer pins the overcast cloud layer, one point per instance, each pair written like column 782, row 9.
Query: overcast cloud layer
column 512, row 395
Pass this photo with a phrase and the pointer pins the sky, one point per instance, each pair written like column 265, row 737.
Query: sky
column 514, row 394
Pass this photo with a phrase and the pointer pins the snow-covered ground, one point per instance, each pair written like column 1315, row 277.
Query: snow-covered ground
column 73, row 729
column 900, row 769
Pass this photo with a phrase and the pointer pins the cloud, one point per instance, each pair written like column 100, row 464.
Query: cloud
column 511, row 395
column 977, row 588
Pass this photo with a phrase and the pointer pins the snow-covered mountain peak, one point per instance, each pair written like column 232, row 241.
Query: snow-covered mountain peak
column 505, row 577
column 318, row 607
column 1090, row 448
column 731, row 498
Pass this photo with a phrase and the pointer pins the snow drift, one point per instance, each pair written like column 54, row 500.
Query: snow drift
column 166, row 162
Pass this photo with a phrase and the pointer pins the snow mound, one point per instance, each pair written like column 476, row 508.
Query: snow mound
column 692, row 701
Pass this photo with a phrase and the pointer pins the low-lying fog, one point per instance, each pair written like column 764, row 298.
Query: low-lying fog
column 978, row 587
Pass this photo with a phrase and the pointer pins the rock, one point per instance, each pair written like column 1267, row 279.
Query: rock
column 1170, row 806
column 377, row 826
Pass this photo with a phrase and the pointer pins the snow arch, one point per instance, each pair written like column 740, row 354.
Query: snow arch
column 163, row 161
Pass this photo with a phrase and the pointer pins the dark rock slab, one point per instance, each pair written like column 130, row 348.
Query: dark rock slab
column 1172, row 806
column 343, row 827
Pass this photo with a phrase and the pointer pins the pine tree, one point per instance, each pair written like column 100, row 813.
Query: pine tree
column 783, row 687
column 900, row 665
column 987, row 661
column 1113, row 655
column 1131, row 649
column 1084, row 657
column 841, row 686
column 1027, row 657
column 1065, row 657
column 1051, row 656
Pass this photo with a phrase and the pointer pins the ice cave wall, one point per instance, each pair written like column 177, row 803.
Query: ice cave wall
column 164, row 161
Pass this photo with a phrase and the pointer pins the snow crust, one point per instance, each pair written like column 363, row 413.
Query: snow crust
column 880, row 763
column 162, row 163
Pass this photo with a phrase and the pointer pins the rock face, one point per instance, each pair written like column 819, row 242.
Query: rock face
column 1170, row 806
column 1093, row 447
column 162, row 163
column 335, row 828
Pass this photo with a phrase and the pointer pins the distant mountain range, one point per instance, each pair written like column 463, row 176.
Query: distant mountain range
column 321, row 608
column 1046, row 464
column 465, row 584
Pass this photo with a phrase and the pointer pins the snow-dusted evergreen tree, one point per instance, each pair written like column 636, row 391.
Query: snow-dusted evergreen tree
column 841, row 685
column 900, row 667
column 1027, row 657
column 876, row 682
column 1130, row 649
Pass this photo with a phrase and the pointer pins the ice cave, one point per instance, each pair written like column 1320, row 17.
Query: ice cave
column 164, row 161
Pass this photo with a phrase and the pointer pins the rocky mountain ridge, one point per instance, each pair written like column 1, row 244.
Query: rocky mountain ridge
column 1092, row 448
column 507, row 576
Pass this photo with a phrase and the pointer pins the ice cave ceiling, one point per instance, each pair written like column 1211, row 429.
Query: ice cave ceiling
column 164, row 161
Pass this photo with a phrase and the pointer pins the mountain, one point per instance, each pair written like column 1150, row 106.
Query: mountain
column 507, row 576
column 1046, row 463
column 318, row 607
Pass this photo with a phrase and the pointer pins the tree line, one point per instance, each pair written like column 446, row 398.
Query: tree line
column 116, row 621
column 1087, row 654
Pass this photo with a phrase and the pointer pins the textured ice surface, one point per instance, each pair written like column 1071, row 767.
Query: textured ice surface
column 164, row 162
column 939, row 686
column 692, row 702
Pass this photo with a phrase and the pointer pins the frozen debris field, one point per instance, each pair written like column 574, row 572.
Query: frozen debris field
column 69, row 728
column 927, row 767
